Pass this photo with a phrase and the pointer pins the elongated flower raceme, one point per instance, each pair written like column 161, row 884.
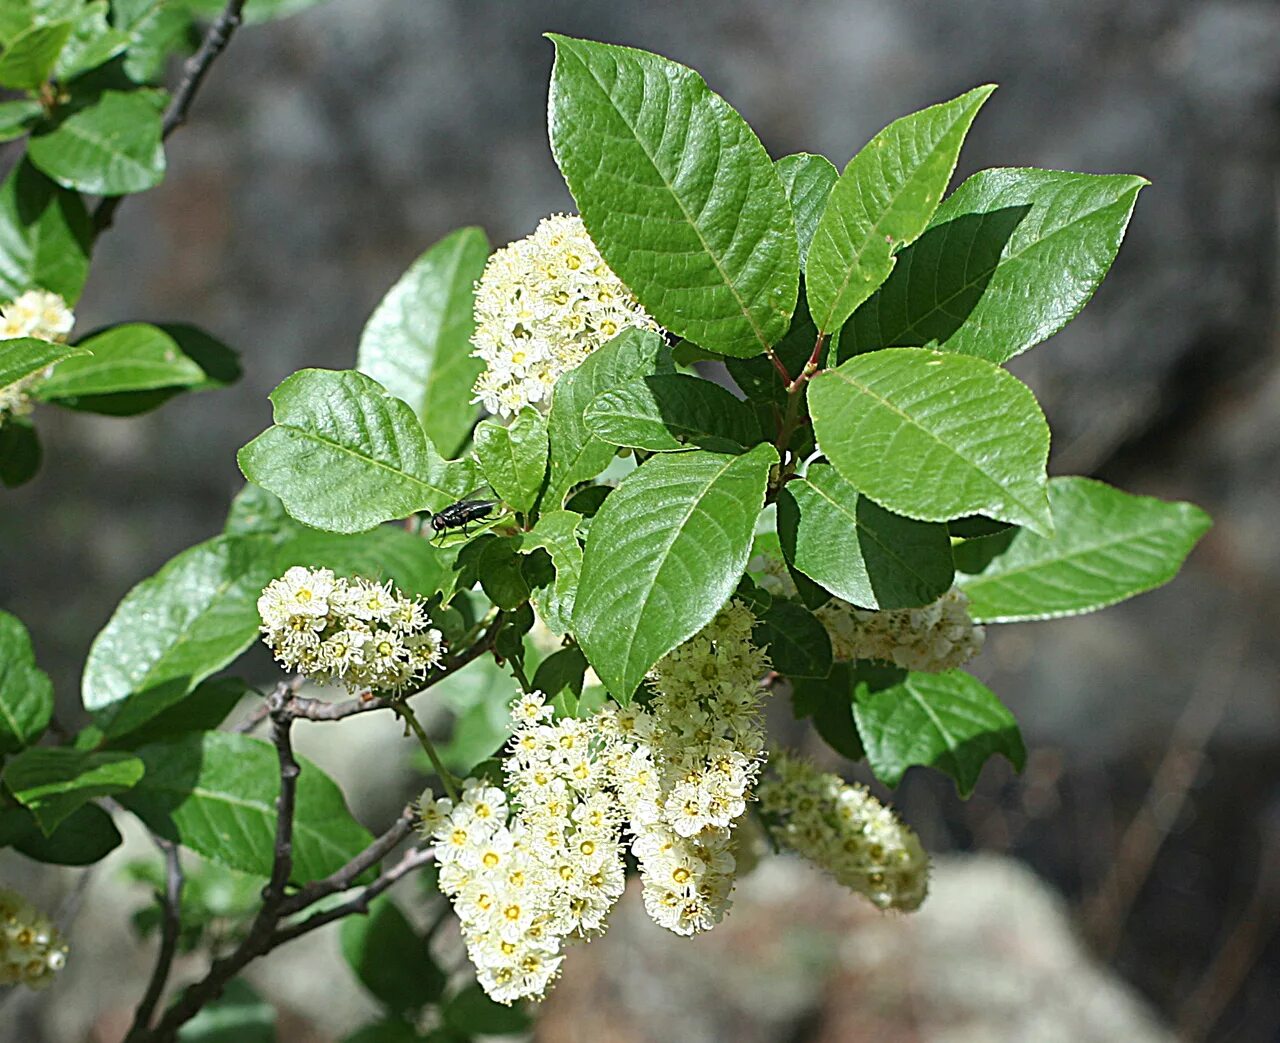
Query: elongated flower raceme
column 31, row 949
column 351, row 632
column 39, row 314
column 543, row 304
column 843, row 829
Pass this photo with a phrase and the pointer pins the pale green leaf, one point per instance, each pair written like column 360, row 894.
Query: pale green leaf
column 808, row 180
column 26, row 694
column 131, row 357
column 24, row 356
column 27, row 59
column 513, row 457
column 45, row 236
column 557, row 533
column 109, row 147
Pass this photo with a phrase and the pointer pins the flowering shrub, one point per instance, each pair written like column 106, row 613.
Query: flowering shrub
column 736, row 452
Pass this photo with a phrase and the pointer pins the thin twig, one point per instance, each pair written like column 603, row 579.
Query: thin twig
column 170, row 927
column 446, row 777
column 344, row 877
column 194, row 71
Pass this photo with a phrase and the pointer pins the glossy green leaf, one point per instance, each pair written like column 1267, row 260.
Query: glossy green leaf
column 176, row 628
column 473, row 1013
column 17, row 116
column 933, row 435
column 93, row 42
column 808, row 180
column 664, row 553
column 1008, row 260
column 239, row 1015
column 45, row 236
column 215, row 793
column 949, row 721
column 131, row 357
column 344, row 455
column 27, row 60
column 577, row 454
column 110, row 147
column 678, row 194
column 26, row 693
column 1106, row 546
column 82, row 838
column 672, row 412
column 797, row 642
column 513, row 457
column 390, row 958
column 24, row 356
column 54, row 781
column 19, row 452
column 856, row 549
column 412, row 562
column 417, row 343
column 557, row 533
column 884, row 200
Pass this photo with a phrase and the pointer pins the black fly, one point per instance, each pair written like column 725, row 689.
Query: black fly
column 460, row 515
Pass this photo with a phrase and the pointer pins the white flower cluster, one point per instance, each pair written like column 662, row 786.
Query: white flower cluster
column 39, row 314
column 31, row 949
column 940, row 636
column 524, row 879
column 543, row 304
column 842, row 828
column 353, row 632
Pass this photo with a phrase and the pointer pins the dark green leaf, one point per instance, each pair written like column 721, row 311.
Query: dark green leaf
column 678, row 194
column 559, row 677
column 417, row 344
column 501, row 575
column 976, row 553
column 856, row 549
column 82, row 838
column 27, row 59
column 663, row 555
column 513, row 457
column 1106, row 546
column 203, row 709
column 389, row 1032
column 45, row 236
column 215, row 792
column 132, row 357
column 1007, row 261
column 797, row 642
column 672, row 412
column 933, row 435
column 344, row 455
column 26, row 693
column 883, row 200
column 808, row 180
column 949, row 721
column 239, row 1015
column 473, row 1013
column 53, row 781
column 109, row 147
column 829, row 702
column 390, row 958
column 19, row 452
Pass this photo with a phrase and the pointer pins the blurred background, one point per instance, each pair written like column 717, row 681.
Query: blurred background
column 1127, row 885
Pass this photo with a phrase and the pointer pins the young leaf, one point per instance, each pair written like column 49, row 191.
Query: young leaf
column 948, row 721
column 672, row 412
column 215, row 792
column 45, row 236
column 344, row 455
column 557, row 533
column 513, row 457
column 577, row 454
column 678, row 194
column 856, row 549
column 390, row 958
column 417, row 343
column 1008, row 260
column 935, row 436
column 797, row 642
column 26, row 693
column 108, row 148
column 884, row 200
column 131, row 357
column 19, row 452
column 27, row 60
column 1106, row 546
column 54, row 781
column 82, row 838
column 664, row 553
column 808, row 180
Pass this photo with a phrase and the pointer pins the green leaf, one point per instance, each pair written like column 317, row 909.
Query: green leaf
column 173, row 630
column 19, row 452
column 1007, row 261
column 473, row 1013
column 934, row 436
column 557, row 533
column 25, row 356
column 93, row 41
column 808, row 180
column 513, row 457
column 417, row 343
column 678, row 194
column 45, row 236
column 131, row 357
column 16, row 117
column 110, row 147
column 391, row 1032
column 560, row 677
column 664, row 553
column 344, row 455
column 415, row 566
column 26, row 693
column 829, row 703
column 239, row 1015
column 501, row 573
column 1106, row 546
column 215, row 792
column 949, row 721
column 53, row 781
column 82, row 838
column 204, row 708
column 390, row 958
column 797, row 642
column 883, row 201
column 27, row 60
column 672, row 412
column 856, row 549
column 577, row 454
